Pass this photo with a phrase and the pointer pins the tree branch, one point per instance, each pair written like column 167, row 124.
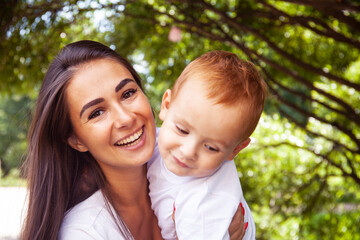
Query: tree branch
column 305, row 20
column 336, row 143
column 333, row 9
column 355, row 118
column 309, row 114
column 315, row 198
column 293, row 74
column 291, row 58
column 352, row 175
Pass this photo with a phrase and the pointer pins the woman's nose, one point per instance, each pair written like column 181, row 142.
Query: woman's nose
column 123, row 117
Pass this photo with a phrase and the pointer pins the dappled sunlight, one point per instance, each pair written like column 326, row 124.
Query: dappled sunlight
column 301, row 172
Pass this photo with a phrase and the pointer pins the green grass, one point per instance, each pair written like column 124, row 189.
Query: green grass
column 13, row 179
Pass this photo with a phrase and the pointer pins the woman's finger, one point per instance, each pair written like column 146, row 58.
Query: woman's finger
column 237, row 227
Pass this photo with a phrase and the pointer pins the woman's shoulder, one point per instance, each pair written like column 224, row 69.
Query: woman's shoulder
column 89, row 219
column 85, row 212
column 90, row 207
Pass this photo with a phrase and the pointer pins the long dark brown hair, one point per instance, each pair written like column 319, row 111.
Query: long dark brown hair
column 58, row 176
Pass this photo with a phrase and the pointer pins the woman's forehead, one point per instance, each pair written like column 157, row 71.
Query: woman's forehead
column 95, row 79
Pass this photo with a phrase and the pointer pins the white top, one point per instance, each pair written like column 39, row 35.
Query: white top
column 90, row 219
column 204, row 206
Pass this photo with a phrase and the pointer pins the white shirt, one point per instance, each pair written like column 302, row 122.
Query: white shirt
column 90, row 219
column 204, row 206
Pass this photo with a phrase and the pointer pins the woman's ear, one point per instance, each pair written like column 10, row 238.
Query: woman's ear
column 238, row 148
column 165, row 104
column 76, row 144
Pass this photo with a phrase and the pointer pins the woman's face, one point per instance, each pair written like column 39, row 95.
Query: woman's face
column 110, row 115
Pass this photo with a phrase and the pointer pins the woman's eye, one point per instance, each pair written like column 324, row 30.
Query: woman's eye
column 95, row 114
column 128, row 93
column 211, row 148
column 182, row 130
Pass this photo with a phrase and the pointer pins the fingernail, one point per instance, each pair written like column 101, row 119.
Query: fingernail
column 174, row 206
column 246, row 225
column 242, row 208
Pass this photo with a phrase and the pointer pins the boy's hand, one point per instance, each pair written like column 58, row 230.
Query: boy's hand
column 237, row 227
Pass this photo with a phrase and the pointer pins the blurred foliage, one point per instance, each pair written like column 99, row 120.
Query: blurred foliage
column 300, row 175
column 13, row 178
column 292, row 194
column 15, row 114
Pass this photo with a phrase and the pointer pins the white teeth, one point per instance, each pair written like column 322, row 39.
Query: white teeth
column 130, row 141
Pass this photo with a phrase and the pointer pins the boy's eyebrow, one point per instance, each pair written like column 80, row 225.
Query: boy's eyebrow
column 123, row 83
column 91, row 103
column 219, row 141
column 222, row 142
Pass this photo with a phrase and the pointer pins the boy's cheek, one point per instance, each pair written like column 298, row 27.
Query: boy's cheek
column 161, row 115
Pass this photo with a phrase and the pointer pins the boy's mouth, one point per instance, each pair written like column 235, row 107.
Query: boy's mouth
column 131, row 140
column 181, row 164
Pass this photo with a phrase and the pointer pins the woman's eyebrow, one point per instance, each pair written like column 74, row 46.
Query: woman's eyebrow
column 99, row 100
column 91, row 103
column 123, row 83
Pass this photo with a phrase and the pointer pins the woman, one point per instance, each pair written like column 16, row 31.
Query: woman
column 92, row 133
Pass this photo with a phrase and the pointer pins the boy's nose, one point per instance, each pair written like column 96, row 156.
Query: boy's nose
column 189, row 150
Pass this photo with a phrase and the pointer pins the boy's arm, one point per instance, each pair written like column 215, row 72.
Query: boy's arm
column 237, row 227
column 204, row 218
column 205, row 208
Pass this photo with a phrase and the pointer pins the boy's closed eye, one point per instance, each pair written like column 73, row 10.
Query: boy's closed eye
column 211, row 148
column 181, row 130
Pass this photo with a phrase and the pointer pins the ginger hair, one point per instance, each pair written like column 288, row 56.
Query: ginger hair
column 229, row 80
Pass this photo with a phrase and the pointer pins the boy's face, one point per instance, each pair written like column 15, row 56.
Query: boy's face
column 198, row 135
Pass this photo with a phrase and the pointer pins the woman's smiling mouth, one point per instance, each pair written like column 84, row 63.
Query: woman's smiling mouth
column 131, row 140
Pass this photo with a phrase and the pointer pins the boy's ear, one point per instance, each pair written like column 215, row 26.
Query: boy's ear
column 165, row 104
column 76, row 144
column 238, row 148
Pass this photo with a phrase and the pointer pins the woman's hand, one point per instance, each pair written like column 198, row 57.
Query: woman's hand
column 237, row 227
